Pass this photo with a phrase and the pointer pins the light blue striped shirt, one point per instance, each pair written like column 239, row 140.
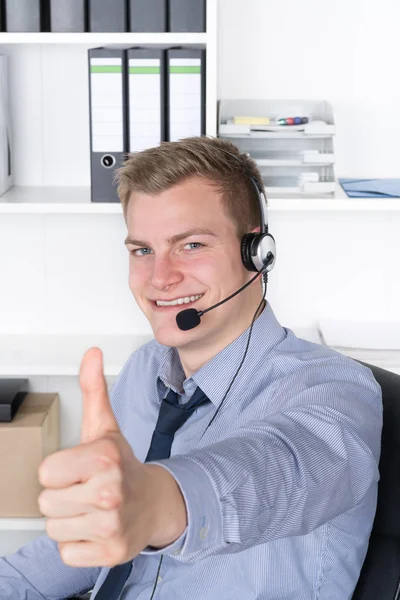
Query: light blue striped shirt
column 280, row 490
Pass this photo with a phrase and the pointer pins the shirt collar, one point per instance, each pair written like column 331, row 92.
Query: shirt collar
column 216, row 375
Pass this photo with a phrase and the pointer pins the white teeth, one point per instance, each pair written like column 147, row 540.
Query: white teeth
column 184, row 300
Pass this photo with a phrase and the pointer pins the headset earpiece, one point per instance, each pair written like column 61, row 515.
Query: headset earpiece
column 255, row 249
column 248, row 241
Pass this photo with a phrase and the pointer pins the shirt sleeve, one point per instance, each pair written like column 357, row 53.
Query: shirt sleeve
column 285, row 474
column 36, row 572
column 174, row 549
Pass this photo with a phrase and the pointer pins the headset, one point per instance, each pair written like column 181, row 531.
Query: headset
column 256, row 248
column 258, row 252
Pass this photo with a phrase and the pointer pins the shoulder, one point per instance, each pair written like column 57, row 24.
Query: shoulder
column 136, row 381
column 304, row 368
column 145, row 359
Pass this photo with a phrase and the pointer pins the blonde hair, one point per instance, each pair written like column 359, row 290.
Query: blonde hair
column 218, row 161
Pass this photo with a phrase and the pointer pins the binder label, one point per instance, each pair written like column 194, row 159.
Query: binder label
column 106, row 104
column 144, row 103
column 185, row 97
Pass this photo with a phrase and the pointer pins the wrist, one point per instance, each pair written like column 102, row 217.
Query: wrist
column 169, row 517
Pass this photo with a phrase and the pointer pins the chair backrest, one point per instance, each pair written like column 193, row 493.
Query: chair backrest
column 380, row 575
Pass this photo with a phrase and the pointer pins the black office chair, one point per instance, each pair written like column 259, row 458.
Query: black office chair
column 380, row 574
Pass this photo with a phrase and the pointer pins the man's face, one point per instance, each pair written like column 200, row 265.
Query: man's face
column 183, row 247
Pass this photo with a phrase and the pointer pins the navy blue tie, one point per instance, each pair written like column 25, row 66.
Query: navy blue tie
column 172, row 415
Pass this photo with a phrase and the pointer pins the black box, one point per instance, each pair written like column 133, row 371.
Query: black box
column 187, row 15
column 11, row 397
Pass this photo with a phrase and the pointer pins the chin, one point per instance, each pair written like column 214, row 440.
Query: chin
column 173, row 336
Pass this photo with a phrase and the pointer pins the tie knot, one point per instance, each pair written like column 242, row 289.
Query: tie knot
column 172, row 415
column 197, row 398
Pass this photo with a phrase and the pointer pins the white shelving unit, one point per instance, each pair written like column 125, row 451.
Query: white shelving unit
column 51, row 165
column 50, row 97
column 102, row 39
column 38, row 525
column 49, row 92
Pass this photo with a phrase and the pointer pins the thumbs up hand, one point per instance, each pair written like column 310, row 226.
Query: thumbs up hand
column 103, row 505
column 97, row 419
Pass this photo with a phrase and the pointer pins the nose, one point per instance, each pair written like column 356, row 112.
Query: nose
column 165, row 273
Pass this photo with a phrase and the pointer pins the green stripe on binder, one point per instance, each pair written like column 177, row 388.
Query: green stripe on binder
column 185, row 69
column 147, row 70
column 105, row 69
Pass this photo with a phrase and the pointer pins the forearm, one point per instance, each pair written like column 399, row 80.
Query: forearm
column 167, row 506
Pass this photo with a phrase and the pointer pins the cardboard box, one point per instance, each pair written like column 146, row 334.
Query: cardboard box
column 33, row 434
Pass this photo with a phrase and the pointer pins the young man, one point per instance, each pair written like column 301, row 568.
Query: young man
column 268, row 489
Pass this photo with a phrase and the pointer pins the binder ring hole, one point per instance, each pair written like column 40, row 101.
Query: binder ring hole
column 108, row 161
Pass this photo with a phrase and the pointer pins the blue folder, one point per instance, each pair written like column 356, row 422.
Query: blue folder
column 371, row 188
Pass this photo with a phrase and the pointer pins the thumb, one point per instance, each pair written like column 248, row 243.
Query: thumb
column 97, row 418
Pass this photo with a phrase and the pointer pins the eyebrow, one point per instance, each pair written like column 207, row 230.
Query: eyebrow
column 175, row 238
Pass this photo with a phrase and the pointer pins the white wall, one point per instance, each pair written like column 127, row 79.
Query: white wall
column 343, row 51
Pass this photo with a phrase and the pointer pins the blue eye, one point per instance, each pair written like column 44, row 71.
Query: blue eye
column 194, row 245
column 141, row 251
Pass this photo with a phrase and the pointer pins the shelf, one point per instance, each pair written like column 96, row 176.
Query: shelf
column 22, row 524
column 103, row 39
column 271, row 162
column 53, row 200
column 275, row 186
column 272, row 135
column 76, row 201
column 385, row 359
column 61, row 354
column 332, row 203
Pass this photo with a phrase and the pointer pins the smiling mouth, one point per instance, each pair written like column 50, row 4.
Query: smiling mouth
column 184, row 301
